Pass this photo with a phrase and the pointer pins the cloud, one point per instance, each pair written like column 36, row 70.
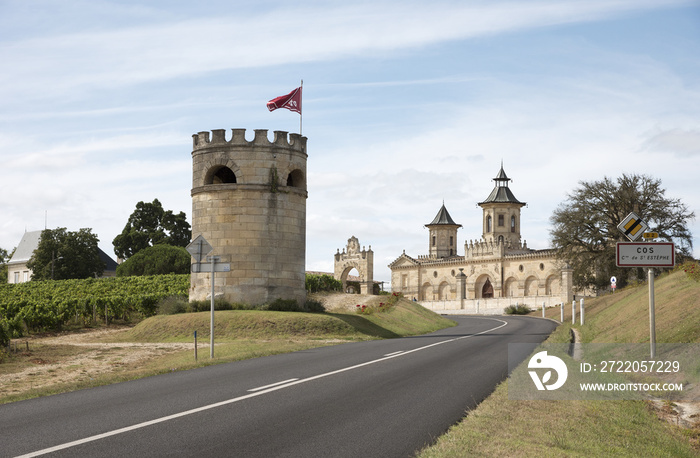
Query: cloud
column 679, row 142
column 72, row 63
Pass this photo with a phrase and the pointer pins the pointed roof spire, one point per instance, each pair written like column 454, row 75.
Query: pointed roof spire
column 443, row 218
column 501, row 192
column 501, row 174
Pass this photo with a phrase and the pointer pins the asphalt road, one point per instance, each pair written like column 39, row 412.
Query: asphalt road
column 380, row 398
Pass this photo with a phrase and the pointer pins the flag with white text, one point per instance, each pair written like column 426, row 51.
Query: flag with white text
column 291, row 101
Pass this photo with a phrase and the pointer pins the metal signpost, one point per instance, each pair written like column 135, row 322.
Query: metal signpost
column 644, row 254
column 199, row 248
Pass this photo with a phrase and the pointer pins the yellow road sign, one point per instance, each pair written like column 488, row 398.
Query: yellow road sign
column 632, row 226
column 651, row 235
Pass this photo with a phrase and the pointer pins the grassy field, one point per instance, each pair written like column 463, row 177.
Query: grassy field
column 165, row 343
column 509, row 428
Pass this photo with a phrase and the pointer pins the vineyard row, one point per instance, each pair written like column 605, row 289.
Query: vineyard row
column 48, row 305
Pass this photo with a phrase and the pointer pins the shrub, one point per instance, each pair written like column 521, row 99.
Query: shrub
column 219, row 304
column 517, row 309
column 4, row 335
column 313, row 306
column 381, row 307
column 324, row 282
column 156, row 260
column 291, row 305
column 691, row 269
column 172, row 305
column 283, row 305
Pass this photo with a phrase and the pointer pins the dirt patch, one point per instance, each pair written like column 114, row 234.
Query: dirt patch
column 93, row 359
column 344, row 302
column 683, row 414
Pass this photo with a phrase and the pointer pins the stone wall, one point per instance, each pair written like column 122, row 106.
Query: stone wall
column 494, row 306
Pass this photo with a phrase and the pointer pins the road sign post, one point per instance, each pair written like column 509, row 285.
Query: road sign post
column 652, row 314
column 199, row 248
column 650, row 255
column 213, row 260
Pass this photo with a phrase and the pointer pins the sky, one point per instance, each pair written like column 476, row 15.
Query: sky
column 406, row 104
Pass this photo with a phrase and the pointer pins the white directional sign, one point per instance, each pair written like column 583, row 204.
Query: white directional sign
column 206, row 267
column 631, row 254
column 199, row 248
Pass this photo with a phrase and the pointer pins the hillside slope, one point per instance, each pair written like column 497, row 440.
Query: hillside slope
column 624, row 316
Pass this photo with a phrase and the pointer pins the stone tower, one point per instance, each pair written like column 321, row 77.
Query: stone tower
column 502, row 213
column 442, row 235
column 249, row 203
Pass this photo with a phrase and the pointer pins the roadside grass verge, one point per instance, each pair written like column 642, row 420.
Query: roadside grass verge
column 509, row 428
column 239, row 334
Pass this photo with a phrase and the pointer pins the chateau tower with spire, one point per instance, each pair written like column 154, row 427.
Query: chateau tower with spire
column 501, row 213
column 442, row 235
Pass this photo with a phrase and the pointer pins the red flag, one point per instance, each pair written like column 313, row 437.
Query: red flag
column 291, row 101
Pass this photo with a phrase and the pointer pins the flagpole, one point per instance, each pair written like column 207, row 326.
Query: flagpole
column 302, row 106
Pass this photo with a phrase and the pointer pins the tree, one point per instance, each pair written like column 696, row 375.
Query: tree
column 156, row 260
column 150, row 225
column 585, row 225
column 62, row 254
column 5, row 256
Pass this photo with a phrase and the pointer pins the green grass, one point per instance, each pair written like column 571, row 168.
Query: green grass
column 405, row 319
column 624, row 316
column 500, row 427
column 506, row 428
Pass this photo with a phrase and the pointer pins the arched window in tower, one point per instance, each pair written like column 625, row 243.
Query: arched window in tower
column 434, row 240
column 488, row 224
column 296, row 179
column 501, row 223
column 220, row 175
column 512, row 223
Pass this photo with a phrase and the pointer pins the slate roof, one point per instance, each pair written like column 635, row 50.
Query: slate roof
column 501, row 192
column 443, row 218
column 29, row 243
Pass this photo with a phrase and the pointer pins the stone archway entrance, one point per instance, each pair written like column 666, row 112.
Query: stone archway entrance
column 487, row 290
column 353, row 258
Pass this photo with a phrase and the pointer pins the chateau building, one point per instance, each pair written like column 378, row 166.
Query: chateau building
column 18, row 272
column 495, row 271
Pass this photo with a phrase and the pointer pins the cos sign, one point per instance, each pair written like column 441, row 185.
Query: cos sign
column 632, row 254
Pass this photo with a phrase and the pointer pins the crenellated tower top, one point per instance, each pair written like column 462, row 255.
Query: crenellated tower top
column 282, row 139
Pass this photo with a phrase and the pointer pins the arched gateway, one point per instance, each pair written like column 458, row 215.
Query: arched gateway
column 353, row 258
